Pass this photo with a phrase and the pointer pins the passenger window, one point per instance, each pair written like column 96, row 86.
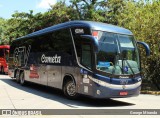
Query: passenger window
column 62, row 42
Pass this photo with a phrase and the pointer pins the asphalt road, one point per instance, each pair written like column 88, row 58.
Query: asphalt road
column 32, row 96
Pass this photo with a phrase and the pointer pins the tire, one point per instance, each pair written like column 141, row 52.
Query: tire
column 22, row 78
column 69, row 90
column 17, row 76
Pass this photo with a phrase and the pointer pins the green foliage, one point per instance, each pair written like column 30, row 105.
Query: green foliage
column 2, row 31
column 19, row 25
column 113, row 9
column 24, row 23
column 89, row 9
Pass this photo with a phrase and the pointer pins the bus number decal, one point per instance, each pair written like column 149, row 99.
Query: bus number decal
column 21, row 52
column 79, row 31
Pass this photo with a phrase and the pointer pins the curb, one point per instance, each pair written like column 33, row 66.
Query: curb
column 151, row 92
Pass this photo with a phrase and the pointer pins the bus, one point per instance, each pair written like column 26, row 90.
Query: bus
column 4, row 55
column 80, row 58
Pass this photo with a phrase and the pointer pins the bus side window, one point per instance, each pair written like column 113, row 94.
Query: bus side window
column 61, row 41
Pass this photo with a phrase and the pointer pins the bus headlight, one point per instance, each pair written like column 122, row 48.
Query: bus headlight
column 139, row 79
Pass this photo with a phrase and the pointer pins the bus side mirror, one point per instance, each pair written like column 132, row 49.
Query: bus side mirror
column 146, row 46
column 93, row 40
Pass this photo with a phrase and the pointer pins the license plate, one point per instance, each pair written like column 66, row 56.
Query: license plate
column 123, row 93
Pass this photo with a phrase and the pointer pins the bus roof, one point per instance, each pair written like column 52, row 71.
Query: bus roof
column 80, row 23
column 4, row 46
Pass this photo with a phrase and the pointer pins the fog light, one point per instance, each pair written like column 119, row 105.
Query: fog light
column 98, row 92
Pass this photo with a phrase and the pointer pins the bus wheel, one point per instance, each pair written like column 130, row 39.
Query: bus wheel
column 70, row 90
column 21, row 78
column 17, row 76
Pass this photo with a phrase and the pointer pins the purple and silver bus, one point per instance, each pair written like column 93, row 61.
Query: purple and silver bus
column 80, row 57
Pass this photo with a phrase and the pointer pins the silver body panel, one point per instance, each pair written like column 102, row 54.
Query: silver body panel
column 50, row 75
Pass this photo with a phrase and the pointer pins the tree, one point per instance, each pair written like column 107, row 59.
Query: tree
column 88, row 9
column 2, row 30
column 113, row 9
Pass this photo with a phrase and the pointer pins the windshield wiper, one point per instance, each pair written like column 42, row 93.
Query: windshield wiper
column 116, row 61
column 123, row 64
column 129, row 66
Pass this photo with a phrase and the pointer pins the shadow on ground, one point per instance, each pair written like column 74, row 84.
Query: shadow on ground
column 57, row 95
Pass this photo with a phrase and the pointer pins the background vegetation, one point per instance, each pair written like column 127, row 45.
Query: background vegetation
column 141, row 17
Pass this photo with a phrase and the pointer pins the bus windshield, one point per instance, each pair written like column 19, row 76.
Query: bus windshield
column 117, row 54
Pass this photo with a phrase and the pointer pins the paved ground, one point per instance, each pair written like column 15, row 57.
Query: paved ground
column 15, row 96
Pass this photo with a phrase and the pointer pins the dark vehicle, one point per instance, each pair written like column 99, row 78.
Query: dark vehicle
column 80, row 57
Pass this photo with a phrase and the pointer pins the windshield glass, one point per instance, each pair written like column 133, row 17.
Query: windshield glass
column 117, row 54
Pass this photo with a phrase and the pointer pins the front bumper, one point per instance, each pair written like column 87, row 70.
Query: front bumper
column 105, row 92
column 100, row 89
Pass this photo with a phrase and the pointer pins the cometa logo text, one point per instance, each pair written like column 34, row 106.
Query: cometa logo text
column 47, row 59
